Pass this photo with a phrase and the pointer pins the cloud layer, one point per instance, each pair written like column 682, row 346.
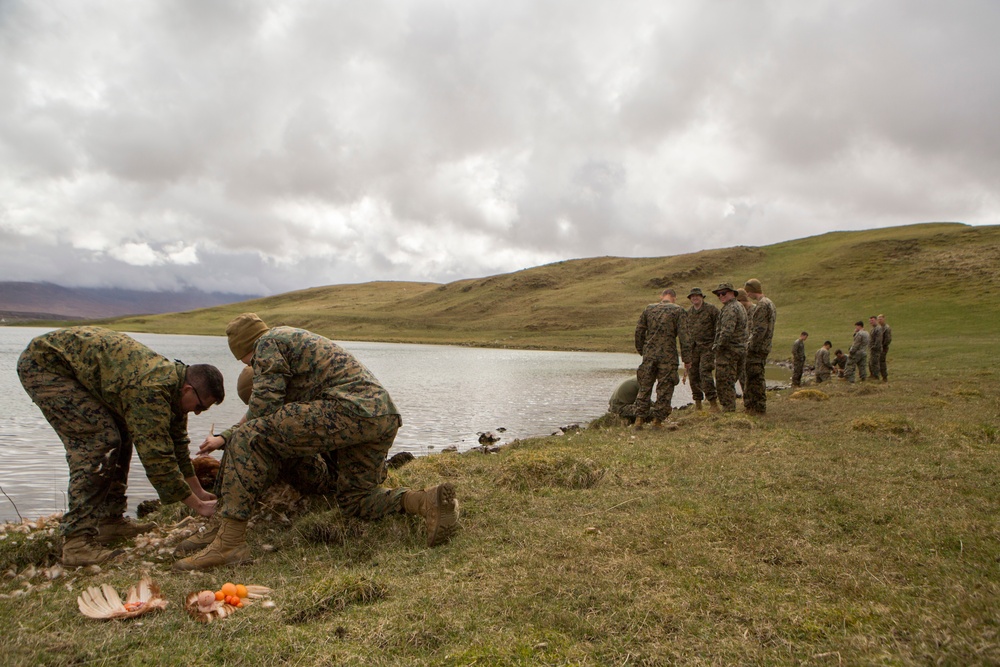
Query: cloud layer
column 256, row 146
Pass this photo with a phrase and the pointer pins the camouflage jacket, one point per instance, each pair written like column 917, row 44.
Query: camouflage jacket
column 701, row 325
column 822, row 360
column 732, row 330
column 875, row 338
column 660, row 327
column 799, row 350
column 886, row 336
column 139, row 387
column 624, row 395
column 761, row 328
column 293, row 365
column 860, row 343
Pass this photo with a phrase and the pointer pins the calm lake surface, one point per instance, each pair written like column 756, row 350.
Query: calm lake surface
column 447, row 396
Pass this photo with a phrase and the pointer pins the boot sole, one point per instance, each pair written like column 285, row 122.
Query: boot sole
column 72, row 562
column 447, row 511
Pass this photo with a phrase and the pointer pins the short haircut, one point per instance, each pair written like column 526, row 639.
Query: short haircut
column 859, row 323
column 881, row 316
column 670, row 291
column 839, row 352
column 805, row 333
column 830, row 344
column 207, row 381
column 873, row 317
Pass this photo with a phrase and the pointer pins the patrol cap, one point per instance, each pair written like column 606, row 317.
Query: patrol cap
column 695, row 291
column 724, row 287
column 244, row 384
column 243, row 333
column 753, row 285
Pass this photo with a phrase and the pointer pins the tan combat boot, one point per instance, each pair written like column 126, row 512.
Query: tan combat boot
column 114, row 528
column 697, row 404
column 228, row 548
column 714, row 406
column 82, row 550
column 639, row 422
column 657, row 424
column 439, row 507
column 198, row 541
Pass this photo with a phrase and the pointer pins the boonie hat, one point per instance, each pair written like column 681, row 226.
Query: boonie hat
column 243, row 333
column 724, row 287
column 695, row 291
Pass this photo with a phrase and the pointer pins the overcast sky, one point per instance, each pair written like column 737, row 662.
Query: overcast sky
column 265, row 146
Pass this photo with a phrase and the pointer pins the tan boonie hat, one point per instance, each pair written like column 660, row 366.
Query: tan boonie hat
column 753, row 285
column 243, row 333
column 695, row 291
column 724, row 287
column 244, row 384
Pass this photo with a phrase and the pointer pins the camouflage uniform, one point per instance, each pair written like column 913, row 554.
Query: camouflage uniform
column 758, row 347
column 886, row 339
column 823, row 366
column 622, row 402
column 103, row 393
column 660, row 327
column 310, row 396
column 701, row 325
column 857, row 356
column 875, row 351
column 730, row 350
column 798, row 361
column 747, row 306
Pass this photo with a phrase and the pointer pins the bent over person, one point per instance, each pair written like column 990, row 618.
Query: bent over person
column 657, row 332
column 310, row 396
column 104, row 392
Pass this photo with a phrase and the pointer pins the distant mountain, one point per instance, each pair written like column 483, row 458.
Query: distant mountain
column 20, row 301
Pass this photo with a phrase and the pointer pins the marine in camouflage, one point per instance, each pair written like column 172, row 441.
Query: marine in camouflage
column 798, row 361
column 701, row 326
column 758, row 347
column 730, row 350
column 311, row 397
column 822, row 364
column 659, row 329
column 622, row 401
column 886, row 339
column 104, row 393
column 857, row 356
column 875, row 351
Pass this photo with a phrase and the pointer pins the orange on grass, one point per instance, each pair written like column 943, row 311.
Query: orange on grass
column 220, row 596
column 241, row 590
column 229, row 588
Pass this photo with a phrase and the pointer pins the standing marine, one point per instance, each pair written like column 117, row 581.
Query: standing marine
column 874, row 347
column 886, row 339
column 702, row 320
column 660, row 327
column 729, row 346
column 310, row 396
column 857, row 360
column 799, row 359
column 741, row 296
column 758, row 347
column 104, row 393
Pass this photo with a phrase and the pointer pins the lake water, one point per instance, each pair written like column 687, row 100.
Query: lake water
column 447, row 396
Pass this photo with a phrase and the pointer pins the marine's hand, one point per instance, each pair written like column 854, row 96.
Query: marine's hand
column 210, row 444
column 201, row 507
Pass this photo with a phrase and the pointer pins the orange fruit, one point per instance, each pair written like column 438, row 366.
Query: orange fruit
column 239, row 604
column 220, row 596
column 229, row 588
column 241, row 590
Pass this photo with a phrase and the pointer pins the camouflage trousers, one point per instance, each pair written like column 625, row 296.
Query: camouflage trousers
column 628, row 412
column 98, row 447
column 727, row 370
column 857, row 362
column 755, row 393
column 822, row 375
column 874, row 363
column 797, row 368
column 353, row 448
column 702, row 368
column 883, row 369
column 662, row 373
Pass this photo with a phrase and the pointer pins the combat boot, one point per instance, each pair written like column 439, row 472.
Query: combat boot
column 639, row 422
column 228, row 548
column 657, row 425
column 714, row 405
column 83, row 550
column 198, row 541
column 697, row 404
column 439, row 507
column 114, row 528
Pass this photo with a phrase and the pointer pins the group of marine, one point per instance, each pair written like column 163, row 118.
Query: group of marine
column 316, row 418
column 720, row 346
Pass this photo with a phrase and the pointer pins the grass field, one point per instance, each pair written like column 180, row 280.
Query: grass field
column 855, row 525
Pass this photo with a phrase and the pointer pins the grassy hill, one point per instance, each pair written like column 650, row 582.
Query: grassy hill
column 929, row 280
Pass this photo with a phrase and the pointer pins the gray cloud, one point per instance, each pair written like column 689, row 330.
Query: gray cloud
column 259, row 146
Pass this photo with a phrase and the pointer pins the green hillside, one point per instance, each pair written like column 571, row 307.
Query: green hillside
column 928, row 279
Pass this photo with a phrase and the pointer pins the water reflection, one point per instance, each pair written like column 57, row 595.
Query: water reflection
column 447, row 395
